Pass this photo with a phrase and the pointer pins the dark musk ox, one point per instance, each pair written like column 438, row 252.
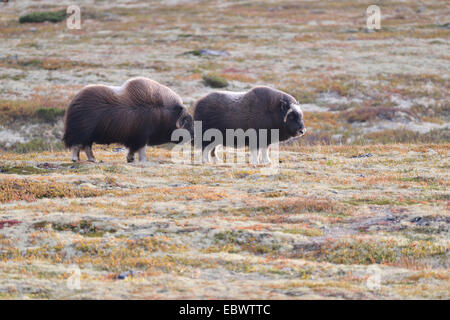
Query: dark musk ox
column 260, row 108
column 141, row 112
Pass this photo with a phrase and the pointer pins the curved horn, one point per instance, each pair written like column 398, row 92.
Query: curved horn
column 287, row 113
column 178, row 123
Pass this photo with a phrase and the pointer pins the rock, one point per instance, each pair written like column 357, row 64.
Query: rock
column 366, row 155
column 208, row 52
column 392, row 219
column 420, row 10
column 47, row 165
column 421, row 221
column 444, row 26
column 124, row 275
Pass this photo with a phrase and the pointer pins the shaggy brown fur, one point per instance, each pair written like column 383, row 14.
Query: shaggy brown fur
column 259, row 108
column 141, row 112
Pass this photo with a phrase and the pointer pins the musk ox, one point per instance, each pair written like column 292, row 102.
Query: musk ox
column 260, row 108
column 141, row 112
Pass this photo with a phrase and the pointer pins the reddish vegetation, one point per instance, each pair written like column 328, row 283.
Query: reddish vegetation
column 8, row 223
column 371, row 113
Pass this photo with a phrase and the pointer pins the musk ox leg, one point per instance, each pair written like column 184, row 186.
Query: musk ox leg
column 215, row 156
column 142, row 155
column 89, row 154
column 205, row 155
column 254, row 156
column 76, row 153
column 265, row 159
column 130, row 156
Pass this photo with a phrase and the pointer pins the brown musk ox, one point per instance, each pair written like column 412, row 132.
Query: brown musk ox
column 141, row 112
column 260, row 108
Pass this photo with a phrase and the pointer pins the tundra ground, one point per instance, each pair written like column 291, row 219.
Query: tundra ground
column 325, row 226
column 359, row 208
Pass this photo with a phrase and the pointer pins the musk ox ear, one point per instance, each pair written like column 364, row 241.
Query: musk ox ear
column 285, row 108
column 284, row 105
column 182, row 119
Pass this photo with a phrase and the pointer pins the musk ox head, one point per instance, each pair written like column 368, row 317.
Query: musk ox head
column 292, row 116
column 182, row 119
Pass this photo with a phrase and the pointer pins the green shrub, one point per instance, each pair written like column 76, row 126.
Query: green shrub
column 52, row 16
column 215, row 81
column 49, row 114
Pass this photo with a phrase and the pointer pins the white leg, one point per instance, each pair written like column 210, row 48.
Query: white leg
column 205, row 156
column 265, row 159
column 254, row 156
column 130, row 156
column 76, row 153
column 89, row 154
column 142, row 155
column 215, row 156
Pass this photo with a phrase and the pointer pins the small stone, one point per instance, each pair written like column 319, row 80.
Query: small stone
column 366, row 155
column 416, row 219
column 124, row 275
column 119, row 150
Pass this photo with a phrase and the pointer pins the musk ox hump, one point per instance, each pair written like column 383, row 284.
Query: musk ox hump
column 147, row 93
column 269, row 97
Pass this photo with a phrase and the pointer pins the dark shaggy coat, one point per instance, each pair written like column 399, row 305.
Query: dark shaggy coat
column 141, row 112
column 259, row 108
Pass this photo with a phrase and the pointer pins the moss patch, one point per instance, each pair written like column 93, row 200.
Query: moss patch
column 214, row 81
column 50, row 114
column 36, row 17
column 37, row 145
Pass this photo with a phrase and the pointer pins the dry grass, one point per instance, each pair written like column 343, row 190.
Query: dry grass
column 19, row 189
column 312, row 220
